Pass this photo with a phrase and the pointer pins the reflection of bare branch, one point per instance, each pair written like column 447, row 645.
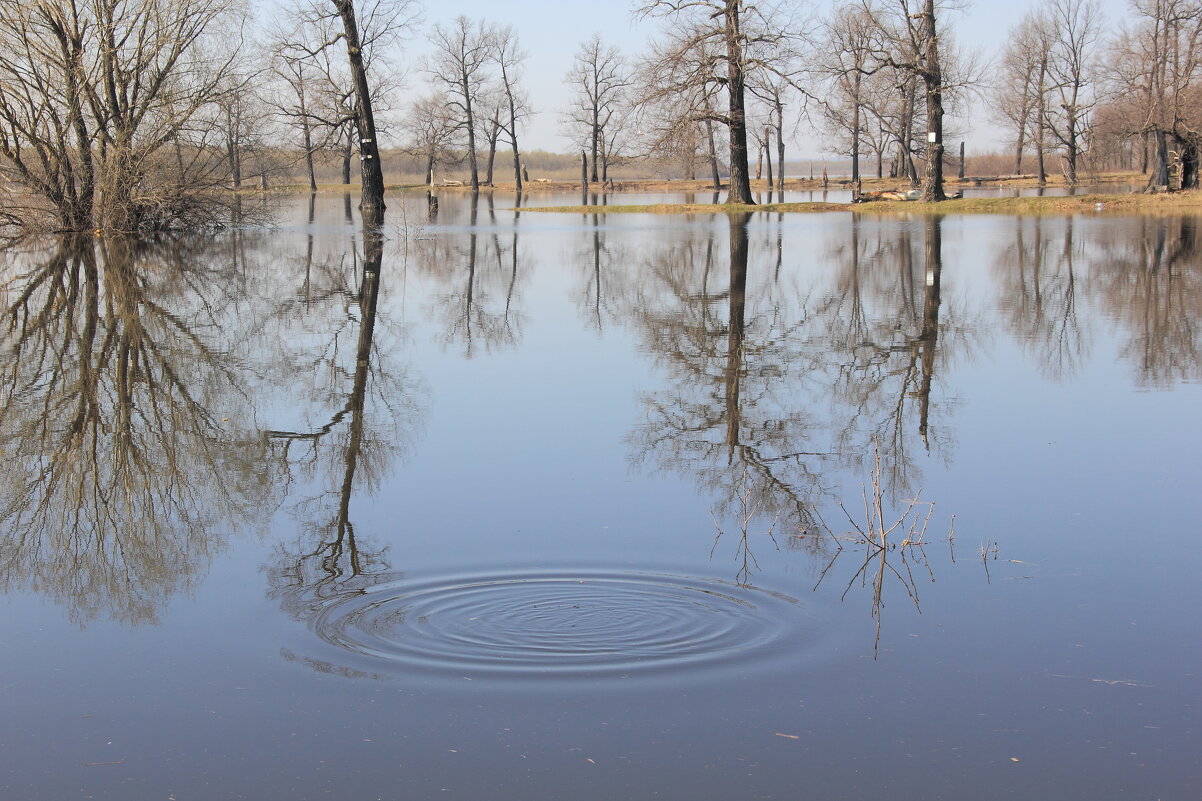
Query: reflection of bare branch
column 728, row 420
column 1040, row 292
column 327, row 561
column 1154, row 290
column 125, row 474
column 874, row 534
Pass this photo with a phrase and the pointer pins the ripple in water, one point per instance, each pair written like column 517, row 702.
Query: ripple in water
column 561, row 623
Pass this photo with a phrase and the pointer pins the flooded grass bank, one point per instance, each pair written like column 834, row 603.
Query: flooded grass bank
column 1175, row 203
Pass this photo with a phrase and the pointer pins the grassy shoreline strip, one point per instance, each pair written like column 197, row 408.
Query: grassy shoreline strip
column 1175, row 203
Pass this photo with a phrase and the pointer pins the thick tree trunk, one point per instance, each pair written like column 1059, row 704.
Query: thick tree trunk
column 855, row 131
column 740, row 181
column 1041, row 124
column 1160, row 169
column 470, row 124
column 371, row 202
column 1189, row 162
column 932, row 187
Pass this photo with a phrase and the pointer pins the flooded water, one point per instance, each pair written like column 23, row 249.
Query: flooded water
column 526, row 506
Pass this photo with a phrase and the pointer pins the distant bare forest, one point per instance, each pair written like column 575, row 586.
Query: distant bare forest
column 138, row 116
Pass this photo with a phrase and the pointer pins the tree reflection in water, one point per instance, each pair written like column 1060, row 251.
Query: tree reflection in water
column 1142, row 273
column 1039, row 289
column 481, row 308
column 1152, row 285
column 376, row 409
column 123, row 480
column 770, row 399
column 723, row 418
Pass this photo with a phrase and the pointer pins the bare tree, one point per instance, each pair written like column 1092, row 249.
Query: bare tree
column 718, row 43
column 846, row 60
column 429, row 132
column 371, row 201
column 1018, row 93
column 1154, row 71
column 351, row 99
column 461, row 58
column 297, row 74
column 910, row 30
column 508, row 55
column 1073, row 29
column 599, row 79
column 84, row 121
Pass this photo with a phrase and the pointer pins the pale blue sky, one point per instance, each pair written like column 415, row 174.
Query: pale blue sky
column 551, row 32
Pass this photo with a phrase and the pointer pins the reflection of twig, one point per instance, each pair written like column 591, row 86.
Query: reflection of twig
column 874, row 533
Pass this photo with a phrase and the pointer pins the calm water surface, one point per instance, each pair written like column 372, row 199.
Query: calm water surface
column 523, row 506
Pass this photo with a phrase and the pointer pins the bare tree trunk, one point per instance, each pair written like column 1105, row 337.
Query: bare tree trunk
column 1041, row 124
column 713, row 154
column 596, row 135
column 932, row 188
column 517, row 165
column 308, row 134
column 740, row 181
column 492, row 153
column 513, row 140
column 1189, row 161
column 232, row 150
column 1160, row 172
column 780, row 151
column 855, row 130
column 471, row 137
column 583, row 178
column 768, row 157
column 347, row 152
column 371, row 202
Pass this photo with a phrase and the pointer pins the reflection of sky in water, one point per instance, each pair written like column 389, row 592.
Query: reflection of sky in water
column 587, row 394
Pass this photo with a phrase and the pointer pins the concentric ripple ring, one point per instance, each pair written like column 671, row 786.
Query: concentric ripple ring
column 557, row 622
